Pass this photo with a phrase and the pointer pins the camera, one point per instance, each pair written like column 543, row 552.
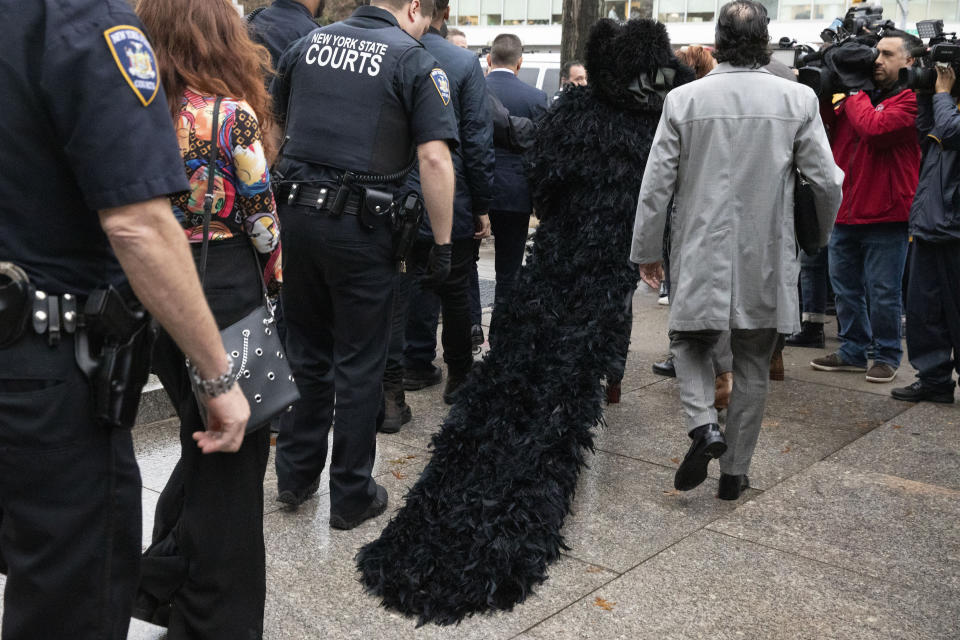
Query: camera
column 846, row 62
column 788, row 52
column 941, row 51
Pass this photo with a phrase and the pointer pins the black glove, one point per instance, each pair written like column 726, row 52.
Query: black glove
column 438, row 266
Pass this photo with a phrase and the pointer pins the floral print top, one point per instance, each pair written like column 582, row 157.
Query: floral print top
column 243, row 202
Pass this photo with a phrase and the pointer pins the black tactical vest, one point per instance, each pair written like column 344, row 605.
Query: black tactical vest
column 345, row 110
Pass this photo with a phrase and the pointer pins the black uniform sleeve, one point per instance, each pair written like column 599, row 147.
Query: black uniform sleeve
column 426, row 94
column 476, row 126
column 280, row 86
column 100, row 84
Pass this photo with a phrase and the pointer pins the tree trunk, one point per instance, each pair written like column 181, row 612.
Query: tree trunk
column 578, row 18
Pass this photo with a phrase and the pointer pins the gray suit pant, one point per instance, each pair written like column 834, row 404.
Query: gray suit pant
column 693, row 359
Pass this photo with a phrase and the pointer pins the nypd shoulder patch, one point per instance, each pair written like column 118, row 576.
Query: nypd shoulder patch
column 134, row 56
column 442, row 83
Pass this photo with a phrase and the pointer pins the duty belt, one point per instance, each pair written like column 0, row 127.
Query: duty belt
column 320, row 198
column 54, row 314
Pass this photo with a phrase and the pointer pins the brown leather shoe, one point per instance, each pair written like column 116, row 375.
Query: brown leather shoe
column 723, row 387
column 613, row 393
column 776, row 365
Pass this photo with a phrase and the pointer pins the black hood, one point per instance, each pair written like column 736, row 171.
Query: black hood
column 631, row 65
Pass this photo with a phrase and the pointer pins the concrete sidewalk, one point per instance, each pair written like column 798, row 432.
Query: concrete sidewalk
column 851, row 530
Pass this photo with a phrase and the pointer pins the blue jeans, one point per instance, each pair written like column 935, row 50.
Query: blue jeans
column 866, row 270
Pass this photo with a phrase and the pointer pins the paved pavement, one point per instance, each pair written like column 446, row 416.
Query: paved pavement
column 850, row 531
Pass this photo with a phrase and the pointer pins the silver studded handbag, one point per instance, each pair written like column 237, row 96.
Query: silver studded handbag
column 260, row 362
column 262, row 368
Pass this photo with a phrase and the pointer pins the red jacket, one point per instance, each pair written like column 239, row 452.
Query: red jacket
column 878, row 151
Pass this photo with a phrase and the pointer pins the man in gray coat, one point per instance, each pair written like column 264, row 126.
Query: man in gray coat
column 726, row 151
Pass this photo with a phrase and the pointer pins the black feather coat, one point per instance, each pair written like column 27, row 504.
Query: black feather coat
column 483, row 522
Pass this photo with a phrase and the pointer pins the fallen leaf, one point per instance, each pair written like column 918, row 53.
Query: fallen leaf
column 786, row 450
column 672, row 492
column 898, row 426
column 411, row 457
column 593, row 569
column 675, row 460
column 398, row 461
column 770, row 423
column 398, row 474
column 605, row 605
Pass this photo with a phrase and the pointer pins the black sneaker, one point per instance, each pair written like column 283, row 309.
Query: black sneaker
column 810, row 336
column 919, row 392
column 416, row 379
column 377, row 506
column 293, row 499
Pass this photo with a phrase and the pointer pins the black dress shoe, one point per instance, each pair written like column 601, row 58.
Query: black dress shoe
column 377, row 506
column 708, row 443
column 732, row 486
column 294, row 499
column 416, row 379
column 665, row 368
column 919, row 392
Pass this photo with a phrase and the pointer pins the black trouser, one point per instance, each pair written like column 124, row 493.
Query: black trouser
column 393, row 371
column 70, row 499
column 453, row 297
column 207, row 556
column 476, row 312
column 509, row 230
column 337, row 297
column 933, row 312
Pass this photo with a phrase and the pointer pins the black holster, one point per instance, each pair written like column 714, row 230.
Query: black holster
column 16, row 293
column 113, row 348
column 406, row 226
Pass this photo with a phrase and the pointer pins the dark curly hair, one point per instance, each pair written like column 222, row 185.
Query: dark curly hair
column 741, row 35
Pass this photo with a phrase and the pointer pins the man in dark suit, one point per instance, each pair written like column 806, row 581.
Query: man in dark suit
column 511, row 207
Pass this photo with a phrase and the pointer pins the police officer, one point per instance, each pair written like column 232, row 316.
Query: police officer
column 474, row 164
column 89, row 154
column 360, row 100
column 283, row 22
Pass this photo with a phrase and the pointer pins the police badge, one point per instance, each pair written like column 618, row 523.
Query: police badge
column 132, row 52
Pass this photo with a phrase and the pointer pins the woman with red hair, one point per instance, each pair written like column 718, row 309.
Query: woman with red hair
column 698, row 58
column 204, row 575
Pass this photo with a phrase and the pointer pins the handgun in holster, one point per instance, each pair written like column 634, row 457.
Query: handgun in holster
column 15, row 295
column 343, row 193
column 113, row 348
column 407, row 226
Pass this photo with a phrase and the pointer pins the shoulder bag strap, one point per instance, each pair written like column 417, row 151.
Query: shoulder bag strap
column 209, row 195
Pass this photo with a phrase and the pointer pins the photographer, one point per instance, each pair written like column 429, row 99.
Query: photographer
column 933, row 291
column 874, row 141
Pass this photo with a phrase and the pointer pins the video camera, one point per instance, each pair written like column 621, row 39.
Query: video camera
column 941, row 50
column 846, row 62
